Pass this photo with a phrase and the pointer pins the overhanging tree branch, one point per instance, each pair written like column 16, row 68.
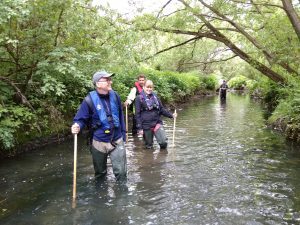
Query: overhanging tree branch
column 266, row 4
column 199, row 34
column 162, row 9
column 171, row 47
column 211, row 61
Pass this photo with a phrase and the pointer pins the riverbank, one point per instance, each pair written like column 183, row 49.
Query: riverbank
column 37, row 143
column 290, row 129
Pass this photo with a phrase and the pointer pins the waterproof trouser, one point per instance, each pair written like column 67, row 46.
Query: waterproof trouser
column 118, row 160
column 223, row 94
column 134, row 128
column 160, row 136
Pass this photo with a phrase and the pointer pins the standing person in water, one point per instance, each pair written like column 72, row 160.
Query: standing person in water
column 102, row 110
column 149, row 109
column 134, row 93
column 223, row 90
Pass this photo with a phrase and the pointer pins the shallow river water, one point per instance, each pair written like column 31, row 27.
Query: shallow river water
column 226, row 167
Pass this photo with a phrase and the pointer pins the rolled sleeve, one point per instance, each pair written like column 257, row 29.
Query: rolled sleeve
column 132, row 95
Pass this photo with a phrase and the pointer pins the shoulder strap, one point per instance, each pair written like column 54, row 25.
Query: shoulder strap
column 115, row 96
column 156, row 99
column 142, row 96
column 88, row 100
column 138, row 87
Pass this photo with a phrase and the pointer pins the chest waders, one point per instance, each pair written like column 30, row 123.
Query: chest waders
column 159, row 134
column 117, row 155
column 223, row 92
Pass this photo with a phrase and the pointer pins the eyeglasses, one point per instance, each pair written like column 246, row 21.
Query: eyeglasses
column 103, row 81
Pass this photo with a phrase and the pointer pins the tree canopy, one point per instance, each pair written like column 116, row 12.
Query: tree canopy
column 264, row 34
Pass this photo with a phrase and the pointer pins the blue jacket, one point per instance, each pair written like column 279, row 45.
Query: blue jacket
column 86, row 115
column 147, row 117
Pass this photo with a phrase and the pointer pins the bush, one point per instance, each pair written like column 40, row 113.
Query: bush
column 210, row 82
column 238, row 82
column 173, row 86
column 287, row 107
column 15, row 120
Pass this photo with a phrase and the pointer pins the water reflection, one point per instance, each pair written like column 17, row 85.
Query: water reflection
column 103, row 204
column 152, row 178
column 223, row 103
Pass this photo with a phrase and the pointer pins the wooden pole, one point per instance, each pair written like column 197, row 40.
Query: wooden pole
column 174, row 126
column 126, row 124
column 74, row 172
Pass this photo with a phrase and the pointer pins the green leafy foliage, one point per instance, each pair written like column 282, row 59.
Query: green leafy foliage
column 238, row 82
column 173, row 86
column 210, row 82
column 14, row 120
column 286, row 116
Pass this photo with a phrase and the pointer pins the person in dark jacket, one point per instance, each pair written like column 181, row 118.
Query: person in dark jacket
column 223, row 89
column 102, row 109
column 149, row 109
column 134, row 93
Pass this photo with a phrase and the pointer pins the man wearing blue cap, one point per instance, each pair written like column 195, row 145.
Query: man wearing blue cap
column 102, row 109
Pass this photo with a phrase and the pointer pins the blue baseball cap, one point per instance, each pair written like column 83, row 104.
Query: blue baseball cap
column 100, row 74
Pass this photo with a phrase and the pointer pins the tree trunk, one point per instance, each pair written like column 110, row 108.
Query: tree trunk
column 292, row 15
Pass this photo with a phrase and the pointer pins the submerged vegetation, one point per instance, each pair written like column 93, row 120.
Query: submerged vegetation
column 50, row 49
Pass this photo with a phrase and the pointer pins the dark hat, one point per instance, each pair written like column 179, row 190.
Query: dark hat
column 98, row 75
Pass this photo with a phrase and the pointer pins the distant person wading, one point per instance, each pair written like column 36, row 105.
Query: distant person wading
column 223, row 90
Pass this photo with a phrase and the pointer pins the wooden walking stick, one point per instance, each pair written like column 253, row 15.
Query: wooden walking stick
column 74, row 172
column 126, row 124
column 174, row 126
